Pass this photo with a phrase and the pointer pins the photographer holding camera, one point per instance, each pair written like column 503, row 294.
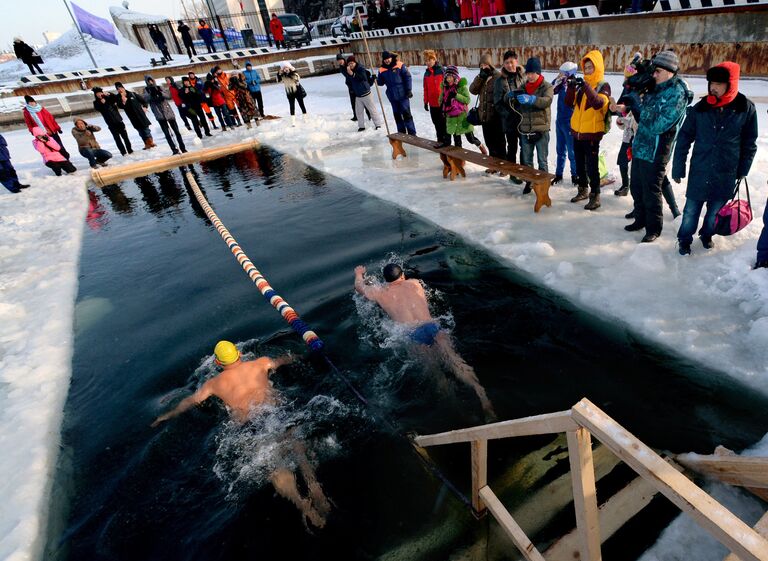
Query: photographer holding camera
column 589, row 97
column 512, row 79
column 658, row 113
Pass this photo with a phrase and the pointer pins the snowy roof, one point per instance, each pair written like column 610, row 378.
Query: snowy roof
column 129, row 16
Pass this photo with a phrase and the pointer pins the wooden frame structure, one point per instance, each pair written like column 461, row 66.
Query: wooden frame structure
column 584, row 421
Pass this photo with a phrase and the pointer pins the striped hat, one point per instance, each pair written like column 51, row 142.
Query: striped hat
column 452, row 71
column 667, row 60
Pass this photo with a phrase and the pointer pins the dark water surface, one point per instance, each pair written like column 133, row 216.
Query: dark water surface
column 158, row 288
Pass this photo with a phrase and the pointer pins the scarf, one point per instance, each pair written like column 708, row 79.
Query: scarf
column 33, row 111
column 531, row 87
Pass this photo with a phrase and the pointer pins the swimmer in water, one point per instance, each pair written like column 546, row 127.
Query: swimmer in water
column 243, row 386
column 405, row 301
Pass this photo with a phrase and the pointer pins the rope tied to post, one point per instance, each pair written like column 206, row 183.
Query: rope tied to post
column 275, row 300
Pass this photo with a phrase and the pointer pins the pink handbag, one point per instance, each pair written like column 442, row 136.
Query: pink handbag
column 735, row 215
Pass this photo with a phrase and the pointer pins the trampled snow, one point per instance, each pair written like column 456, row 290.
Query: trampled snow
column 710, row 306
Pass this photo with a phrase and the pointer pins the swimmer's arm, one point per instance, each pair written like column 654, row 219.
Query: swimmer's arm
column 275, row 363
column 187, row 403
column 360, row 286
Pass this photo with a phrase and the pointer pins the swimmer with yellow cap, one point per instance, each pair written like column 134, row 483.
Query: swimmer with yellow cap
column 226, row 353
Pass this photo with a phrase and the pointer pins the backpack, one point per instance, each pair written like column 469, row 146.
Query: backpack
column 608, row 115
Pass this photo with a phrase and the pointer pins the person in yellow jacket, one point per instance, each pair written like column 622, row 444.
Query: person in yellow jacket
column 589, row 96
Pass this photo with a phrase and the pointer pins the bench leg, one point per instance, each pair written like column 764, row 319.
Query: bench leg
column 457, row 168
column 397, row 149
column 446, row 165
column 541, row 188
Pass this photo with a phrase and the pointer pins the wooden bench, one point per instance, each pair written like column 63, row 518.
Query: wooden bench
column 454, row 158
column 155, row 62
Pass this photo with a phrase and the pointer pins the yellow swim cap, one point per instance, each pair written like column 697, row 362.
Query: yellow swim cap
column 226, row 353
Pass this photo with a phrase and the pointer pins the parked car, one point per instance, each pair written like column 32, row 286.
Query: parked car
column 343, row 25
column 294, row 30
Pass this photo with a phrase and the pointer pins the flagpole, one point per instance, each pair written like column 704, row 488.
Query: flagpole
column 90, row 54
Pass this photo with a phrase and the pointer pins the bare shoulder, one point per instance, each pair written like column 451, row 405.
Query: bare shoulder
column 416, row 284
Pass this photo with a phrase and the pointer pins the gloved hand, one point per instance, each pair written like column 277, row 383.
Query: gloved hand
column 410, row 95
column 426, row 106
column 525, row 99
column 510, row 95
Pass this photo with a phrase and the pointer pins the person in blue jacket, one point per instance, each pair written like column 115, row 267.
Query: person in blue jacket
column 8, row 175
column 206, row 34
column 394, row 74
column 253, row 81
column 563, row 124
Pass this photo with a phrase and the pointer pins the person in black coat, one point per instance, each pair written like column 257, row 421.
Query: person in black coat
column 723, row 130
column 160, row 40
column 186, row 37
column 27, row 55
column 192, row 100
column 8, row 175
column 136, row 110
column 106, row 104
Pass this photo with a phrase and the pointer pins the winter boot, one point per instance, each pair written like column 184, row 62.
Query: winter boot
column 634, row 227
column 684, row 248
column 650, row 238
column 594, row 202
column 622, row 191
column 630, row 215
column 707, row 242
column 528, row 188
column 152, row 142
column 293, row 120
column 360, row 129
column 305, row 118
column 147, row 145
column 582, row 194
column 761, row 264
column 575, row 180
column 557, row 179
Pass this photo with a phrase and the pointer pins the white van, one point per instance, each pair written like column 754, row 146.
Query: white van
column 344, row 22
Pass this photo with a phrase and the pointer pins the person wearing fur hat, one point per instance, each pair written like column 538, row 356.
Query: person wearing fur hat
column 395, row 75
column 482, row 86
column 590, row 98
column 722, row 127
column 433, row 80
column 35, row 115
column 106, row 105
column 158, row 98
column 535, row 121
column 564, row 139
column 454, row 100
column 87, row 144
column 359, row 79
column 135, row 109
column 512, row 79
column 658, row 116
column 294, row 91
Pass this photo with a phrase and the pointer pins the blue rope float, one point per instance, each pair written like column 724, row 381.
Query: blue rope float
column 273, row 298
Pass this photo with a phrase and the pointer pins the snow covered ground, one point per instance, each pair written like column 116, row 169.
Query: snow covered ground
column 710, row 306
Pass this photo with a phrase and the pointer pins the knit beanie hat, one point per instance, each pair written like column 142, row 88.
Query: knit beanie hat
column 533, row 65
column 667, row 60
column 452, row 71
column 96, row 89
column 487, row 59
column 510, row 54
column 119, row 85
column 387, row 54
column 569, row 68
column 351, row 59
column 29, row 98
column 248, row 63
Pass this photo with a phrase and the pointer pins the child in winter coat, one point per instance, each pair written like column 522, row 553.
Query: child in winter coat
column 626, row 122
column 51, row 151
column 294, row 91
column 454, row 100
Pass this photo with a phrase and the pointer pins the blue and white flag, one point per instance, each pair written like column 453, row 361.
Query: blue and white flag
column 96, row 27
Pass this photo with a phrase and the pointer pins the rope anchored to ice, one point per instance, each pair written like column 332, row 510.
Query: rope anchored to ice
column 277, row 302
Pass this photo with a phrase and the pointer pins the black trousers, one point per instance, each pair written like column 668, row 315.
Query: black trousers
column 511, row 140
column 58, row 167
column 197, row 116
column 292, row 99
column 259, row 101
column 587, row 154
column 494, row 138
column 63, row 150
column 32, row 66
column 645, row 184
column 190, row 49
column 121, row 138
column 438, row 119
column 210, row 47
column 167, row 126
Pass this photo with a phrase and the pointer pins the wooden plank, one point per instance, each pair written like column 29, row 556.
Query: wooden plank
column 509, row 525
column 584, row 494
column 734, row 470
column 115, row 174
column 528, row 426
column 706, row 511
column 761, row 528
column 613, row 514
column 479, row 472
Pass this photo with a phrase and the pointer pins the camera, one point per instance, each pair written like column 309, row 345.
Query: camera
column 641, row 82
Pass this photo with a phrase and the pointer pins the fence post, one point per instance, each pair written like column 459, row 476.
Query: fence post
column 584, row 493
column 223, row 33
column 175, row 39
column 479, row 473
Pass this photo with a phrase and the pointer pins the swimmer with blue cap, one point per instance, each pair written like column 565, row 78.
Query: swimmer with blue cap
column 405, row 301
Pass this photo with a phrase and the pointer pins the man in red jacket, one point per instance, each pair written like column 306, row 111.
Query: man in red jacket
column 276, row 27
column 433, row 78
column 36, row 115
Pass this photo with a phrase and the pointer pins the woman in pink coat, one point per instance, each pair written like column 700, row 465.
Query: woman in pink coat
column 51, row 151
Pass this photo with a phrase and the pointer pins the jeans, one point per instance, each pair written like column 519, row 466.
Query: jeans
column 564, row 148
column 403, row 117
column 588, row 163
column 144, row 133
column 542, row 151
column 8, row 176
column 95, row 155
column 121, row 138
column 762, row 242
column 225, row 118
column 690, row 221
column 438, row 120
